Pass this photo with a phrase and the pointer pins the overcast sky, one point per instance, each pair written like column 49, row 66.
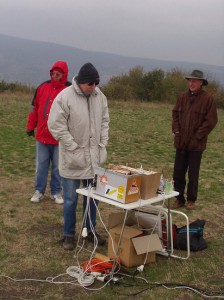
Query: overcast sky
column 177, row 30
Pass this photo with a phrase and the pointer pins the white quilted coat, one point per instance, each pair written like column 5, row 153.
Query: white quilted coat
column 81, row 126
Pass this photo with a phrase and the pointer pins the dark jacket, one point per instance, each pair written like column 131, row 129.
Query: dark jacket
column 41, row 104
column 194, row 117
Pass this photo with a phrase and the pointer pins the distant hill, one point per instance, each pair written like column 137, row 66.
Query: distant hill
column 28, row 61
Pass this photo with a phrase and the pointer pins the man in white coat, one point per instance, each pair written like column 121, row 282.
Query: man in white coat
column 79, row 120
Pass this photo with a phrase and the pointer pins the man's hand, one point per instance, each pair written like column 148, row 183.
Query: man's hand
column 30, row 132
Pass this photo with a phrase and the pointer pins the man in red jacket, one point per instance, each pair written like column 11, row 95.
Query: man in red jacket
column 46, row 145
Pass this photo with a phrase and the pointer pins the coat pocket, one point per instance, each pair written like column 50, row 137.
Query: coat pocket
column 195, row 144
column 75, row 159
column 103, row 154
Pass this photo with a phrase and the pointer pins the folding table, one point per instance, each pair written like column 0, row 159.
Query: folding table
column 152, row 204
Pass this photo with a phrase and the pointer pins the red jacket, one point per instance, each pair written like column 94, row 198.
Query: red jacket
column 41, row 104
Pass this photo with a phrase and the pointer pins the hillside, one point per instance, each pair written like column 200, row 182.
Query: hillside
column 28, row 61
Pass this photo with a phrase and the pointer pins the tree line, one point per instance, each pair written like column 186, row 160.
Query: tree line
column 154, row 86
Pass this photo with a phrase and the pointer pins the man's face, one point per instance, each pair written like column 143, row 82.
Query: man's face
column 88, row 88
column 194, row 85
column 56, row 75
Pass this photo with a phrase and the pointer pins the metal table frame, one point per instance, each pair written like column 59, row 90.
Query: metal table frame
column 152, row 204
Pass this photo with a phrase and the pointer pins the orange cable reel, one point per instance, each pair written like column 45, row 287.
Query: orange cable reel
column 99, row 264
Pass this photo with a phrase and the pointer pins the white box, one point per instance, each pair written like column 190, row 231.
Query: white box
column 116, row 186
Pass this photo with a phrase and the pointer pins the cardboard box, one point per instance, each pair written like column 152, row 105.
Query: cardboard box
column 134, row 246
column 118, row 186
column 150, row 185
column 150, row 181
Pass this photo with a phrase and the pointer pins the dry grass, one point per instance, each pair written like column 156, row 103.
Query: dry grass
column 29, row 233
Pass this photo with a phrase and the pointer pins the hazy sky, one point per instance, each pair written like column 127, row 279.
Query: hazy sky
column 179, row 30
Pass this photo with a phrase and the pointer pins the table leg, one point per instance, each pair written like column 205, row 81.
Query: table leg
column 118, row 244
column 169, row 229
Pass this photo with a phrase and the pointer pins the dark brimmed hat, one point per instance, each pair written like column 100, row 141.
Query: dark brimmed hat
column 88, row 73
column 197, row 74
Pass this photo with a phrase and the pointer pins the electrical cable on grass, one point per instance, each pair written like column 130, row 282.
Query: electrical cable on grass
column 84, row 279
column 47, row 280
column 172, row 286
column 155, row 285
column 169, row 286
column 141, row 267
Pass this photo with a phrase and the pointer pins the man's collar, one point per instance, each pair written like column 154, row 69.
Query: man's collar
column 195, row 93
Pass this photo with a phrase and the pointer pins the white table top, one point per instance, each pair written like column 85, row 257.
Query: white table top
column 134, row 205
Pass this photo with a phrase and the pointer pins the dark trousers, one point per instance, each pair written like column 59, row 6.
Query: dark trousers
column 187, row 161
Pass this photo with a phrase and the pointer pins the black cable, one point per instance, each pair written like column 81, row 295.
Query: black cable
column 168, row 285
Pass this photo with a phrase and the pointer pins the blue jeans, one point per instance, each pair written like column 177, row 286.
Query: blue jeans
column 46, row 154
column 70, row 204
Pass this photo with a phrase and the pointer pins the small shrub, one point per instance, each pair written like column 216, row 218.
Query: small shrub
column 15, row 87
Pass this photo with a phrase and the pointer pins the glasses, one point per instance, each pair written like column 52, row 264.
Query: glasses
column 57, row 74
column 93, row 82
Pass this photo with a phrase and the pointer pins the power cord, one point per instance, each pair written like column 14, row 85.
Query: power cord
column 141, row 267
column 85, row 277
column 171, row 286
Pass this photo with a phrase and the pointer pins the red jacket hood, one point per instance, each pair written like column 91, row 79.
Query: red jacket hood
column 64, row 67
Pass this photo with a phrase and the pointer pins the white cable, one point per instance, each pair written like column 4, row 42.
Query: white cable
column 47, row 280
column 21, row 280
column 108, row 232
column 82, row 277
column 86, row 279
column 194, row 290
column 156, row 224
column 141, row 267
column 74, row 271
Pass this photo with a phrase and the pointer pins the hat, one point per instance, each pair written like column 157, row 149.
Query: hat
column 197, row 74
column 88, row 73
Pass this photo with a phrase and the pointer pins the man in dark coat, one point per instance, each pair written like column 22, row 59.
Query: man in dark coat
column 194, row 117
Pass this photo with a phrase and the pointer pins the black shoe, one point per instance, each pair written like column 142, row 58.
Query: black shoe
column 68, row 243
column 97, row 238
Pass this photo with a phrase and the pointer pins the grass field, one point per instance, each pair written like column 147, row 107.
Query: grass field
column 29, row 233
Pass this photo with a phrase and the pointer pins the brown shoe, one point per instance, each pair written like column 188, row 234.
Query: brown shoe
column 190, row 205
column 177, row 204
